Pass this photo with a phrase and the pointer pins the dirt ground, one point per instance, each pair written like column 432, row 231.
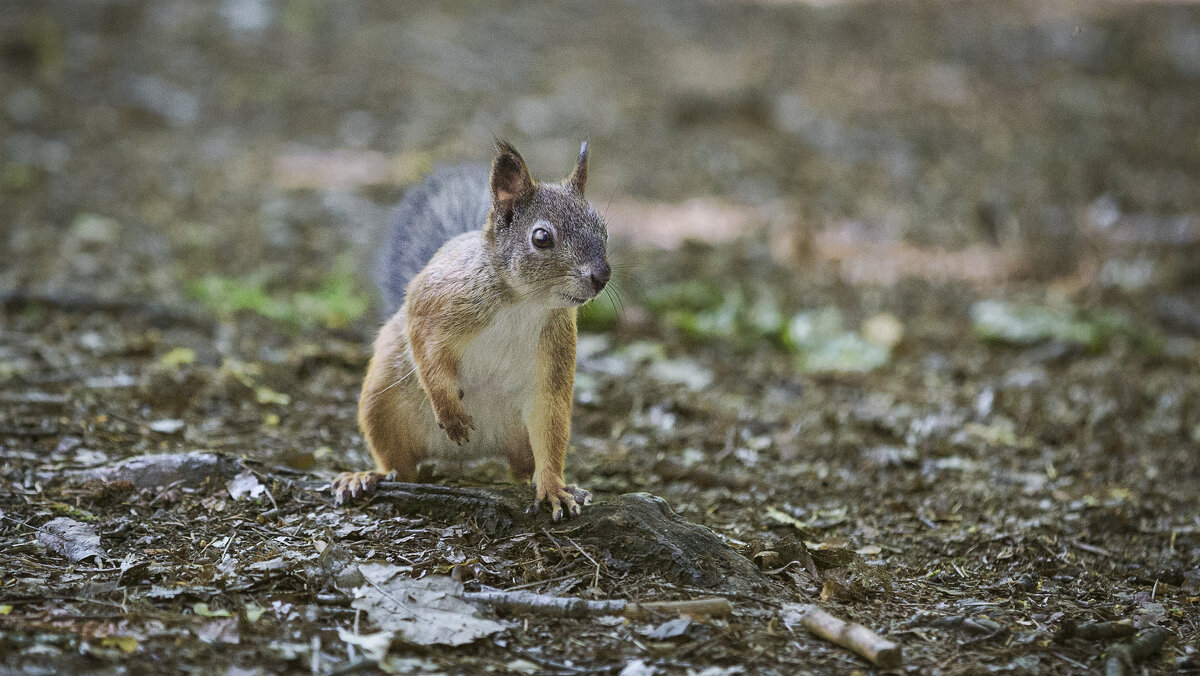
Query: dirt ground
column 930, row 355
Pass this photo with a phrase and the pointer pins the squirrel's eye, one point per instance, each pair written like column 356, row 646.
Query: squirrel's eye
column 542, row 238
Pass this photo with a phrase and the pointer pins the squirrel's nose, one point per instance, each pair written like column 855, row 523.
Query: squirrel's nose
column 600, row 276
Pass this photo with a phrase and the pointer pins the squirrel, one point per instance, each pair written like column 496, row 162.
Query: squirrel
column 483, row 272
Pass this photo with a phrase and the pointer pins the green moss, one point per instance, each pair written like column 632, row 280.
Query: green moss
column 334, row 303
column 1027, row 324
column 691, row 296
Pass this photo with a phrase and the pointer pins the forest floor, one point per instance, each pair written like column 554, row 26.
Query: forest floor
column 935, row 366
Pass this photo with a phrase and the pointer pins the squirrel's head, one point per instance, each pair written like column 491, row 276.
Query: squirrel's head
column 548, row 239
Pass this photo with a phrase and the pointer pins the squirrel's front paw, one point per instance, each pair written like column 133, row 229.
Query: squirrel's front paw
column 457, row 425
column 562, row 499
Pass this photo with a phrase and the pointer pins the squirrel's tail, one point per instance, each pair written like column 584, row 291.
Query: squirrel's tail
column 449, row 202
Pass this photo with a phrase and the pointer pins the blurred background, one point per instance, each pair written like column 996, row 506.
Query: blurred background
column 147, row 145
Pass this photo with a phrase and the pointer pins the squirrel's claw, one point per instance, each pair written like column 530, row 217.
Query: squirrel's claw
column 457, row 427
column 353, row 485
column 563, row 501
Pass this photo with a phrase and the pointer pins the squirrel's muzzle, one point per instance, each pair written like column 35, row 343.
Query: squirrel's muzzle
column 600, row 276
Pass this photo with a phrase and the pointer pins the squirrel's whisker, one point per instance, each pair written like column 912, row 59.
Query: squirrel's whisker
column 608, row 294
column 401, row 379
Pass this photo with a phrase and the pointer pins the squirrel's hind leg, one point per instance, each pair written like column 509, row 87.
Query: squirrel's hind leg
column 520, row 457
column 389, row 412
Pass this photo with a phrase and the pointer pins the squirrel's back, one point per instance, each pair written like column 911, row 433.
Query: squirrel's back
column 449, row 202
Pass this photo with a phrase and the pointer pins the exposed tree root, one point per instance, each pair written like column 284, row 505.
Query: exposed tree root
column 632, row 532
column 635, row 531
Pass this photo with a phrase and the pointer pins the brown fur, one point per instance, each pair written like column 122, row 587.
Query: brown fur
column 550, row 422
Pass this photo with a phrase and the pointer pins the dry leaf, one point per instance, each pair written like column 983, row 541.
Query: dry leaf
column 203, row 610
column 74, row 540
column 244, row 485
column 427, row 611
column 374, row 646
column 220, row 631
column 127, row 644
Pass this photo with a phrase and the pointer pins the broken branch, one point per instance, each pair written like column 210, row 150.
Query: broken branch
column 879, row 651
column 559, row 606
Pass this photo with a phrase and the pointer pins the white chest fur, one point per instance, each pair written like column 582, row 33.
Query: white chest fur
column 496, row 370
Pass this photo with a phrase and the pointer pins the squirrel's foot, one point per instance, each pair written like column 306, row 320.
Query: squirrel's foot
column 458, row 426
column 582, row 496
column 563, row 500
column 352, row 485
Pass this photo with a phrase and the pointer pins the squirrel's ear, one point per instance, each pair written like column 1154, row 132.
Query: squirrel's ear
column 510, row 177
column 578, row 177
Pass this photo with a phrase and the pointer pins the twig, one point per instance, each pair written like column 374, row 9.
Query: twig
column 1123, row 656
column 879, row 651
column 596, row 578
column 714, row 606
column 1092, row 549
column 1094, row 631
column 566, row 606
column 548, row 580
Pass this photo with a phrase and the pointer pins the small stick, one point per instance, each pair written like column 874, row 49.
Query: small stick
column 1124, row 656
column 879, row 651
column 709, row 607
column 566, row 606
column 1094, row 631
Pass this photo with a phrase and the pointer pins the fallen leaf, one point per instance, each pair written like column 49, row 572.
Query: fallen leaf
column 219, row 631
column 203, row 610
column 883, row 329
column 374, row 646
column 70, row 538
column 427, row 611
column 822, row 345
column 265, row 395
column 127, row 644
column 792, row 613
column 245, row 484
column 638, row 668
column 177, row 357
column 686, row 372
column 785, row 518
column 167, row 426
column 160, row 592
column 669, row 629
column 276, row 563
column 521, row 666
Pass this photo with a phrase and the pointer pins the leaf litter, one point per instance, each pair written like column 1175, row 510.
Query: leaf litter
column 70, row 538
column 421, row 611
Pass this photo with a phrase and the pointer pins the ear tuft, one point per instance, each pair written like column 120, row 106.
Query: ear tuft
column 510, row 179
column 578, row 178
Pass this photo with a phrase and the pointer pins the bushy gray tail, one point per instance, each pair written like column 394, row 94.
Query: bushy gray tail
column 449, row 202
